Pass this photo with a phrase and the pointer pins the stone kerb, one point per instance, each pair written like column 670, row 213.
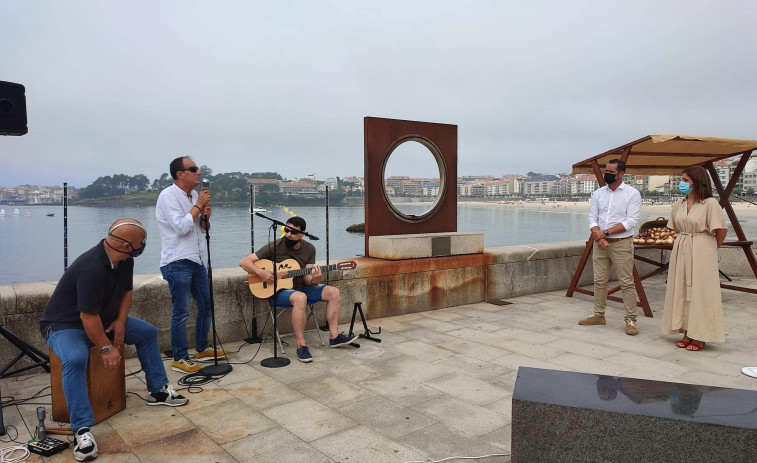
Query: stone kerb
column 384, row 287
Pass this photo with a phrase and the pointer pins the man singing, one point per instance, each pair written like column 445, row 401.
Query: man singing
column 183, row 216
column 90, row 306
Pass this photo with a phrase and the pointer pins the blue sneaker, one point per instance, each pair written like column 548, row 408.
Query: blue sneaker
column 303, row 353
column 341, row 340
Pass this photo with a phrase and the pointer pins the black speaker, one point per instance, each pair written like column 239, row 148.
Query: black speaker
column 12, row 109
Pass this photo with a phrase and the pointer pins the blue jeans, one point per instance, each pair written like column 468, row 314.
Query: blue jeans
column 185, row 277
column 313, row 294
column 72, row 347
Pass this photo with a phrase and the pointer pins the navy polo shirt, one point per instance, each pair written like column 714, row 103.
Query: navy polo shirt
column 90, row 285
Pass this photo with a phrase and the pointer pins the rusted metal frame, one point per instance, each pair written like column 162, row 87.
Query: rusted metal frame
column 649, row 261
column 643, row 302
column 743, row 289
column 626, row 153
column 737, row 173
column 713, row 157
column 725, row 203
column 646, row 309
column 585, row 256
column 614, row 150
column 580, row 268
column 658, row 166
column 737, row 243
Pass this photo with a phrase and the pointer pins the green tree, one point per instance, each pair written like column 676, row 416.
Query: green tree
column 139, row 182
column 164, row 181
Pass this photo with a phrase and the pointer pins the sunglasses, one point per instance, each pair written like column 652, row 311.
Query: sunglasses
column 192, row 169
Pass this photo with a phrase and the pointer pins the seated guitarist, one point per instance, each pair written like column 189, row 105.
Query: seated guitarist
column 307, row 287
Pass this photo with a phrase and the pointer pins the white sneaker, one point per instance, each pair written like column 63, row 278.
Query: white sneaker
column 167, row 396
column 85, row 448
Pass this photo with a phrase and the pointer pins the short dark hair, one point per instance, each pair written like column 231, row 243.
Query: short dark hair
column 177, row 165
column 621, row 165
column 298, row 222
column 702, row 187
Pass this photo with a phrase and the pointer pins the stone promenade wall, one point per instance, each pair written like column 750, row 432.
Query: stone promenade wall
column 384, row 287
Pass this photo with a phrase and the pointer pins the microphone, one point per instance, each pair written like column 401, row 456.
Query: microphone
column 205, row 184
column 277, row 222
column 41, row 431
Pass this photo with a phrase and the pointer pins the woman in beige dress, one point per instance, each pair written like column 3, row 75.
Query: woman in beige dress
column 693, row 305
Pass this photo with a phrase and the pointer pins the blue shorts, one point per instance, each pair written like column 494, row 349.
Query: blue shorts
column 313, row 294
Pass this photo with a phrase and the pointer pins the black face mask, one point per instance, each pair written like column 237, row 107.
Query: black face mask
column 289, row 242
column 610, row 178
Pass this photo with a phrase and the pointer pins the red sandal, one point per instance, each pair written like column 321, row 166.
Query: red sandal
column 683, row 343
column 695, row 347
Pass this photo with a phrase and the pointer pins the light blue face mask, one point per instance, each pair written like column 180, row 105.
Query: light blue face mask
column 684, row 187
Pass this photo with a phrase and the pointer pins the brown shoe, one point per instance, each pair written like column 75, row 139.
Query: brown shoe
column 631, row 329
column 593, row 320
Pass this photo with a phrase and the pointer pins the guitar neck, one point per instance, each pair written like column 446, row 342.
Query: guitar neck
column 309, row 270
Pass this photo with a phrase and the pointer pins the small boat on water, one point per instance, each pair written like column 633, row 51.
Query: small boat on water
column 28, row 212
column 259, row 209
column 2, row 212
column 52, row 214
column 16, row 212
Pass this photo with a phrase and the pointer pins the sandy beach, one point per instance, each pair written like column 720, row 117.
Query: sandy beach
column 745, row 211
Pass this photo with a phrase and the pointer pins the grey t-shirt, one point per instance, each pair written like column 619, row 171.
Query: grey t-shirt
column 304, row 255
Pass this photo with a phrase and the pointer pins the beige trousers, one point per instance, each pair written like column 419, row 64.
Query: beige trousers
column 620, row 254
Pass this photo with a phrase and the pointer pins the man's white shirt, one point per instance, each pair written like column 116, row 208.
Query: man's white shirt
column 180, row 234
column 609, row 208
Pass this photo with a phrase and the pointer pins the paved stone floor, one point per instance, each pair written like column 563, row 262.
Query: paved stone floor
column 439, row 384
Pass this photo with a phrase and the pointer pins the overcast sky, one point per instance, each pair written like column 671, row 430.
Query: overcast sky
column 124, row 87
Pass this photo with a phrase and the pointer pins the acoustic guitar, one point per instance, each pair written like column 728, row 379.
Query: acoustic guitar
column 285, row 272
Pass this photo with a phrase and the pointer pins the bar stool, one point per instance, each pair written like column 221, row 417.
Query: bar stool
column 283, row 307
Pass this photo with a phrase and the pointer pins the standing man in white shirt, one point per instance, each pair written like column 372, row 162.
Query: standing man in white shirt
column 613, row 217
column 183, row 215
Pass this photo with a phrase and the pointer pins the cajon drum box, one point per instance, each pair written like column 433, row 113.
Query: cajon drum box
column 106, row 388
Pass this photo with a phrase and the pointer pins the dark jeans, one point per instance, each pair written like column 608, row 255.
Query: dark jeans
column 72, row 347
column 185, row 277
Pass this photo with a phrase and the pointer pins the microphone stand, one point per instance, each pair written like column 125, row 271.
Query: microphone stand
column 223, row 368
column 275, row 361
column 254, row 338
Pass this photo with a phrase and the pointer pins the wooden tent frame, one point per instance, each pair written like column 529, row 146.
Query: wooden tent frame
column 681, row 152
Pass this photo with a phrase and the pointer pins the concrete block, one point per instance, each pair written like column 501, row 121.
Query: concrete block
column 558, row 416
column 404, row 293
column 7, row 300
column 464, row 285
column 397, row 247
column 32, row 297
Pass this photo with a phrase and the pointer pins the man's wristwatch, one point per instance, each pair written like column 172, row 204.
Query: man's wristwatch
column 607, row 232
column 106, row 349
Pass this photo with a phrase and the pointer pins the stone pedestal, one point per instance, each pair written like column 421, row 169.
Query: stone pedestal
column 416, row 246
column 561, row 416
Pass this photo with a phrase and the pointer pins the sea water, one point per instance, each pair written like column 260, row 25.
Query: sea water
column 31, row 248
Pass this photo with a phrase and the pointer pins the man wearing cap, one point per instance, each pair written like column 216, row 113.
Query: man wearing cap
column 183, row 215
column 90, row 306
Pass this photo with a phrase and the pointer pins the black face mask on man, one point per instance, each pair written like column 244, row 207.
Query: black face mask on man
column 610, row 178
column 290, row 243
